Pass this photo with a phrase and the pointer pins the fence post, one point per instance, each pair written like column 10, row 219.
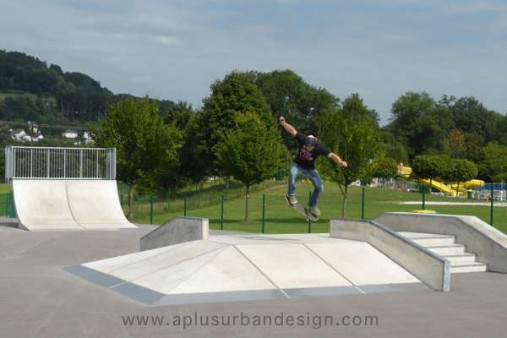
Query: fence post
column 151, row 209
column 309, row 222
column 222, row 214
column 263, row 213
column 491, row 208
column 185, row 206
column 424, row 197
column 362, row 203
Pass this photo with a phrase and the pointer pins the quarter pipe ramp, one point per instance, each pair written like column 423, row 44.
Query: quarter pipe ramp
column 68, row 205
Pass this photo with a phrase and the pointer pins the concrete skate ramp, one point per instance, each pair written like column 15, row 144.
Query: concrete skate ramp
column 95, row 204
column 249, row 267
column 68, row 205
column 43, row 205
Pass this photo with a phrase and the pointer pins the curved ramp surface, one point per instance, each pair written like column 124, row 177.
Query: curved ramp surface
column 95, row 204
column 43, row 205
column 68, row 205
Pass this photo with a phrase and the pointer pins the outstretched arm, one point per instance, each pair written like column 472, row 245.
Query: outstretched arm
column 337, row 159
column 290, row 129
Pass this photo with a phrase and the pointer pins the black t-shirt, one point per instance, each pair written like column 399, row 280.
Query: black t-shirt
column 306, row 159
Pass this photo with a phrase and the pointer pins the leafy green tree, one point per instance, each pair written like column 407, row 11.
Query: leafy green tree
column 493, row 164
column 455, row 141
column 393, row 147
column 290, row 96
column 470, row 116
column 461, row 171
column 145, row 147
column 473, row 145
column 384, row 168
column 431, row 167
column 236, row 93
column 250, row 152
column 407, row 110
column 178, row 114
column 353, row 133
column 420, row 123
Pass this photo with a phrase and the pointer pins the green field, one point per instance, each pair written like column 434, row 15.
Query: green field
column 279, row 218
column 5, row 188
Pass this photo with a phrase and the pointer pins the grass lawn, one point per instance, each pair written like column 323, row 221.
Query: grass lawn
column 279, row 218
column 5, row 188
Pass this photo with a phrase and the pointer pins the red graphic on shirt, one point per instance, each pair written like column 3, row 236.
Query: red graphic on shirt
column 305, row 155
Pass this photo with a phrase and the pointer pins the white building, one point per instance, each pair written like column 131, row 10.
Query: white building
column 70, row 134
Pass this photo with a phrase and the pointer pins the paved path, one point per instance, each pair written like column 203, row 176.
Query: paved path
column 39, row 299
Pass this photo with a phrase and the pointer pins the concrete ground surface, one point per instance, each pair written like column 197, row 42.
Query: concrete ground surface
column 39, row 299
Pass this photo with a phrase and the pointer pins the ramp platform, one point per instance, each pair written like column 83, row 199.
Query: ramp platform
column 68, row 205
column 248, row 267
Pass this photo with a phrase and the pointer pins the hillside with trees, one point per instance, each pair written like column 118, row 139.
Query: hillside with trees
column 32, row 90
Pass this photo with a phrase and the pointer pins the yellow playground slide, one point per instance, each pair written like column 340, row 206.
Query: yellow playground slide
column 447, row 189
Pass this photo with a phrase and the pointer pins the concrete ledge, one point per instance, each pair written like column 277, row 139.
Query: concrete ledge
column 488, row 243
column 177, row 230
column 428, row 267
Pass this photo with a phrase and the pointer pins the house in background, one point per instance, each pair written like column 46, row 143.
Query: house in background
column 31, row 133
column 87, row 137
column 70, row 134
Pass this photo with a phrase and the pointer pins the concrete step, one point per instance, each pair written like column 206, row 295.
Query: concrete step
column 437, row 241
column 446, row 250
column 445, row 246
column 476, row 267
column 429, row 239
column 466, row 258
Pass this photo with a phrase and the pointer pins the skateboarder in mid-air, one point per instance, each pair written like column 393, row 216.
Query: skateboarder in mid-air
column 304, row 164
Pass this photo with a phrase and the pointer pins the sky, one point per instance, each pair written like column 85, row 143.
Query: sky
column 175, row 49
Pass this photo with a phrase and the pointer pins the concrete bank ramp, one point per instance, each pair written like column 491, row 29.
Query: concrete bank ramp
column 248, row 267
column 68, row 205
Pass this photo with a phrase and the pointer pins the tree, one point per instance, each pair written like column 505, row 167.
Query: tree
column 471, row 116
column 250, row 152
column 431, row 166
column 406, row 112
column 456, row 142
column 146, row 148
column 351, row 132
column 289, row 95
column 394, row 147
column 180, row 115
column 462, row 171
column 493, row 164
column 420, row 122
column 384, row 168
column 236, row 93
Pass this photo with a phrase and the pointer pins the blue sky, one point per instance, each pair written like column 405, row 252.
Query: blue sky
column 176, row 49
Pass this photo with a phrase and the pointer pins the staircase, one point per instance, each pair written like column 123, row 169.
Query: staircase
column 445, row 246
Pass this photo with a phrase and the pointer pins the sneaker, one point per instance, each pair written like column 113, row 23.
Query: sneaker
column 315, row 211
column 291, row 199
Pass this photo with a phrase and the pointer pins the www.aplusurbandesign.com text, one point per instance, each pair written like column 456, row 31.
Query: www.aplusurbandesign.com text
column 250, row 320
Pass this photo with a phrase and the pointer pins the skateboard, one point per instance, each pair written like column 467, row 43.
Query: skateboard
column 302, row 210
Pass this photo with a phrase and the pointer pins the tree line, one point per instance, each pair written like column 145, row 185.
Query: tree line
column 236, row 133
column 163, row 145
